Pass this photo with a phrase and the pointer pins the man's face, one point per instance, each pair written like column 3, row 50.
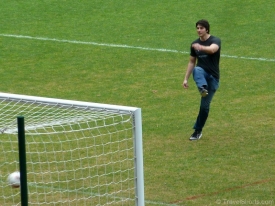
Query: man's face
column 201, row 30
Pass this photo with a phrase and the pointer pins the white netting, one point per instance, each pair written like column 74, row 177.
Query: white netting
column 76, row 155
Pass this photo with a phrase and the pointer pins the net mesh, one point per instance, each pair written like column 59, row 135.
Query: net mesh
column 76, row 155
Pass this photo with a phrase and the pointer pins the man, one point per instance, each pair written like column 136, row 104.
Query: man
column 205, row 51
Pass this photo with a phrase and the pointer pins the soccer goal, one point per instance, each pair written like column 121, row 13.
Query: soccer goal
column 77, row 153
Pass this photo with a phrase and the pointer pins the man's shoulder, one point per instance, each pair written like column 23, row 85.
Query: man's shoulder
column 214, row 38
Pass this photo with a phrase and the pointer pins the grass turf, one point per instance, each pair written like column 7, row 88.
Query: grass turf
column 235, row 157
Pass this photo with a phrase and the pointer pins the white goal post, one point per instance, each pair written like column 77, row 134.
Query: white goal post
column 77, row 153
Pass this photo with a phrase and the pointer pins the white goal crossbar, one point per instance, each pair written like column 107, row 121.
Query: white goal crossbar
column 78, row 153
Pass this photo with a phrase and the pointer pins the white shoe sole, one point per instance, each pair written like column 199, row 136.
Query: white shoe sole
column 193, row 138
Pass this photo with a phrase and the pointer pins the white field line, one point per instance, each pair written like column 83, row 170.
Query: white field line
column 126, row 46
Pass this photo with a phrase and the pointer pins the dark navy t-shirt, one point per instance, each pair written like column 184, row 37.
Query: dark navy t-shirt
column 209, row 62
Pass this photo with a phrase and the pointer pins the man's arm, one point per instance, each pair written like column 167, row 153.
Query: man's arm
column 190, row 67
column 207, row 49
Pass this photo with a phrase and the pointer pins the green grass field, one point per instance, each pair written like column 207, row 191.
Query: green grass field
column 135, row 53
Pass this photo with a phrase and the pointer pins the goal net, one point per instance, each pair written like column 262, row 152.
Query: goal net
column 77, row 153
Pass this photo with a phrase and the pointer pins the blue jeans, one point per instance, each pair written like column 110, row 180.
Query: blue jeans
column 202, row 78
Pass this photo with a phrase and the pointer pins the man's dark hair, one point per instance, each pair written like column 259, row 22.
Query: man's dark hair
column 205, row 24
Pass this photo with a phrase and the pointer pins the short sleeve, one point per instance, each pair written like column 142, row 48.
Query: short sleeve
column 216, row 41
column 192, row 52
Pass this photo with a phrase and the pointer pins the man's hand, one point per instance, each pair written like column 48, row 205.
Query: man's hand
column 185, row 84
column 197, row 46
